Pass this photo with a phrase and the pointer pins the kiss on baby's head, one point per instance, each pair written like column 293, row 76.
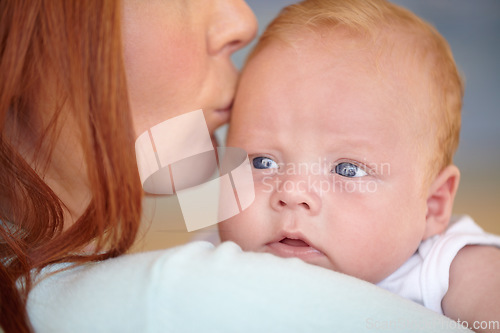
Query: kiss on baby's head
column 350, row 113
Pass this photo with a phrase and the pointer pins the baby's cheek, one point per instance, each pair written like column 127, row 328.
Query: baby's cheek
column 241, row 230
column 232, row 229
column 225, row 230
column 252, row 227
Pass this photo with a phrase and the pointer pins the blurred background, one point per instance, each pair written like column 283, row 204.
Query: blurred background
column 472, row 29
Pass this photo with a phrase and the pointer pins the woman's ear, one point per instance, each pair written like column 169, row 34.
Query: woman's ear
column 440, row 200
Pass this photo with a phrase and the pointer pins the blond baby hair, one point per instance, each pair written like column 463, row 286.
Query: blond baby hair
column 376, row 19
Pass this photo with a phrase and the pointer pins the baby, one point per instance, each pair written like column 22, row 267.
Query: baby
column 350, row 113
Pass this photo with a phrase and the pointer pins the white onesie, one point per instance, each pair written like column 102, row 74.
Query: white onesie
column 424, row 277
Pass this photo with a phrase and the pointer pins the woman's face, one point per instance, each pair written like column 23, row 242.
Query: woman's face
column 177, row 57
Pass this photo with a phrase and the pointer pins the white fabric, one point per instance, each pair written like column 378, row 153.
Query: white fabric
column 202, row 288
column 424, row 277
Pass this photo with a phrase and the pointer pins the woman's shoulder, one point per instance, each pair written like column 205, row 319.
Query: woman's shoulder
column 200, row 287
column 117, row 294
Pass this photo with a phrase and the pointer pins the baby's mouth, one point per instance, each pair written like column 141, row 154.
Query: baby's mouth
column 294, row 242
column 293, row 247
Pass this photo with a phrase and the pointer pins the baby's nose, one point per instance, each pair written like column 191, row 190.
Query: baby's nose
column 295, row 194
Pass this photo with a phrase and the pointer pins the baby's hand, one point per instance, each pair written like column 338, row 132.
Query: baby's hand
column 474, row 292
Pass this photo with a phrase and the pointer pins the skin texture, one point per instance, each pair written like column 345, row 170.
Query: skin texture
column 177, row 57
column 332, row 109
column 473, row 294
column 299, row 123
column 177, row 60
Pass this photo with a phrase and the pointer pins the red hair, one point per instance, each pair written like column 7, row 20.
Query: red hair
column 78, row 45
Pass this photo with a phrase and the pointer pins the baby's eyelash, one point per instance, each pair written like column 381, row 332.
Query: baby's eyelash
column 264, row 162
column 350, row 169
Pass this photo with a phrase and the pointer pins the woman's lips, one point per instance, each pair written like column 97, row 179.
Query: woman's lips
column 221, row 117
column 225, row 112
column 289, row 247
column 217, row 117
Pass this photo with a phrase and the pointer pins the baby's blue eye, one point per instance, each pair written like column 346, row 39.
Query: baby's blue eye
column 350, row 170
column 262, row 162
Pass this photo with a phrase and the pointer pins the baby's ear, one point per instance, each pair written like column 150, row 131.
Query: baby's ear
column 440, row 200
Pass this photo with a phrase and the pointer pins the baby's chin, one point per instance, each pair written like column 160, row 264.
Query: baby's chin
column 296, row 248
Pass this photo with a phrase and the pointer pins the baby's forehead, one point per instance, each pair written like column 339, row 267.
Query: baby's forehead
column 340, row 52
column 386, row 58
column 349, row 60
column 383, row 51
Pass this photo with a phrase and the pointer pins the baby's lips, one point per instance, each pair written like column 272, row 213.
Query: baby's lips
column 294, row 242
column 291, row 247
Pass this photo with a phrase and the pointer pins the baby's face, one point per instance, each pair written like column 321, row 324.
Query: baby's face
column 335, row 156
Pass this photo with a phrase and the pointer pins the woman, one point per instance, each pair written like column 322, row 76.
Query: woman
column 79, row 81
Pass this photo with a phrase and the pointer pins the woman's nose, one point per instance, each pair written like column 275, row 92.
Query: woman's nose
column 296, row 195
column 233, row 26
